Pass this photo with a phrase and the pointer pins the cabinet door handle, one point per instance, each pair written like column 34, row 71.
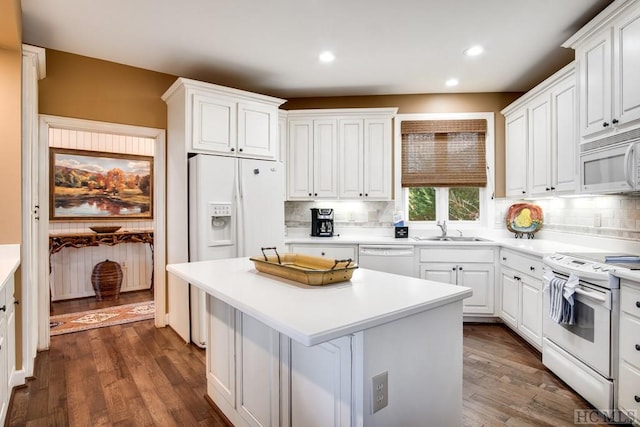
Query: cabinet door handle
column 309, row 194
column 638, row 304
column 504, row 258
column 553, row 188
column 240, row 150
column 315, row 194
column 322, row 253
column 614, row 121
column 605, row 124
column 547, row 189
column 360, row 194
column 524, row 191
column 366, row 194
column 532, row 268
column 460, row 268
column 3, row 308
column 233, row 149
column 453, row 269
column 636, row 398
column 638, row 347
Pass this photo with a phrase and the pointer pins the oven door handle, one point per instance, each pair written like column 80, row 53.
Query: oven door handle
column 592, row 295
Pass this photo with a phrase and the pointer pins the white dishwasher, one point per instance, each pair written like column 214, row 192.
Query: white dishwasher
column 397, row 259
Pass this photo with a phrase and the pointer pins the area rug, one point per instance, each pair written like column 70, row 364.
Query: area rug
column 75, row 322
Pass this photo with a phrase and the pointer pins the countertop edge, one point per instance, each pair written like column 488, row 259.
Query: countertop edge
column 460, row 293
column 9, row 262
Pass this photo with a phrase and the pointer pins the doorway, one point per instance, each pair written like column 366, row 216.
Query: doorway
column 65, row 284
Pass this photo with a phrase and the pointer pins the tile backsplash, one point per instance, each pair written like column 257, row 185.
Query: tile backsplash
column 345, row 213
column 614, row 216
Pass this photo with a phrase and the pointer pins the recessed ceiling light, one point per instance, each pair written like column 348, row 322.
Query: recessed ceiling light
column 474, row 50
column 326, row 56
column 451, row 82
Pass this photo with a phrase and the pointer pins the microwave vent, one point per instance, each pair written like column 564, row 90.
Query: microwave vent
column 628, row 136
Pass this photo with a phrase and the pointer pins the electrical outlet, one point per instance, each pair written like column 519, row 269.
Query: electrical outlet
column 380, row 391
column 597, row 219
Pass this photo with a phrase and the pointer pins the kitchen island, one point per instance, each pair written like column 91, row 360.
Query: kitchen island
column 284, row 353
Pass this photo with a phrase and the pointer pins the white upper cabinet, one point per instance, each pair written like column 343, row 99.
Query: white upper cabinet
column 219, row 120
column 340, row 154
column 516, row 152
column 313, row 162
column 541, row 138
column 609, row 62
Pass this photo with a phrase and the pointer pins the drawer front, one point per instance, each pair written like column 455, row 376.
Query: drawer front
column 335, row 252
column 630, row 300
column 629, row 389
column 522, row 263
column 630, row 339
column 456, row 255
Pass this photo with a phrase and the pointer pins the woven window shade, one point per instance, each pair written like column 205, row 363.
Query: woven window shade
column 444, row 153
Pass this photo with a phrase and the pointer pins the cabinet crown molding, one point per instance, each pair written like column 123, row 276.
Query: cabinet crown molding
column 334, row 112
column 601, row 20
column 564, row 72
column 214, row 89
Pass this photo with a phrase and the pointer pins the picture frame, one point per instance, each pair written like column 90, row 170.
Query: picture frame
column 99, row 186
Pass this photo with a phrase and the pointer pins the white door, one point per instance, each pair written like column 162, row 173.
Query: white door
column 530, row 322
column 439, row 272
column 214, row 124
column 325, row 158
column 595, row 74
column 260, row 206
column 257, row 130
column 377, row 159
column 351, row 144
column 478, row 277
column 627, row 67
column 300, row 160
column 564, row 140
column 516, row 153
column 510, row 297
column 212, row 183
column 539, row 144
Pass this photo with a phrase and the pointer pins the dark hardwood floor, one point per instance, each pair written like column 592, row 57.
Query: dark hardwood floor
column 138, row 375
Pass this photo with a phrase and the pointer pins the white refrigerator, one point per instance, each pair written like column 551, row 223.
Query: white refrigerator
column 236, row 207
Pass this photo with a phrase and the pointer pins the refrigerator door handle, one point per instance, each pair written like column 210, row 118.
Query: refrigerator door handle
column 240, row 210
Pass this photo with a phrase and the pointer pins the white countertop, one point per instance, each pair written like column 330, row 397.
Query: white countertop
column 537, row 247
column 9, row 261
column 315, row 314
column 633, row 275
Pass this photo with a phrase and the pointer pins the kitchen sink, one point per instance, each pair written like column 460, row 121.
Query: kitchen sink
column 451, row 239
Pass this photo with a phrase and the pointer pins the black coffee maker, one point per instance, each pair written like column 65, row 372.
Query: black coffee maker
column 321, row 222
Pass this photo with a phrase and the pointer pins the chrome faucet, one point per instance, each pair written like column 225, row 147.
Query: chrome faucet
column 443, row 227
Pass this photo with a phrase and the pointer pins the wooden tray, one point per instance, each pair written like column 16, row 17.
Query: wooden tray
column 306, row 269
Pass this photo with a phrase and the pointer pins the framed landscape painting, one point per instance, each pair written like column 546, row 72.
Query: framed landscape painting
column 93, row 185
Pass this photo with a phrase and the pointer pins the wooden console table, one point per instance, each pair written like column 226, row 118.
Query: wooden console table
column 57, row 242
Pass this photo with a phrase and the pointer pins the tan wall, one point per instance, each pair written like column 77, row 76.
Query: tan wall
column 430, row 103
column 88, row 88
column 10, row 121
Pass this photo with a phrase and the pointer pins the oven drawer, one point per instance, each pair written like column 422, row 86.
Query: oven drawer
column 522, row 263
column 629, row 389
column 630, row 300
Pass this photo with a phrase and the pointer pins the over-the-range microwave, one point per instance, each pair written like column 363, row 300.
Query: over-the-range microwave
column 611, row 165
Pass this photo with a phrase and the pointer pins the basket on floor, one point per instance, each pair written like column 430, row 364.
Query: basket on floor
column 106, row 279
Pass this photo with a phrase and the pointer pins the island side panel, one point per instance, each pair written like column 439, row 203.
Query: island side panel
column 423, row 357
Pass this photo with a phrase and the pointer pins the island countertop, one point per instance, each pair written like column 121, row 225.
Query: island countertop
column 315, row 314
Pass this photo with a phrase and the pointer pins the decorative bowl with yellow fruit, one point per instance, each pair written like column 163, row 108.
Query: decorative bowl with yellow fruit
column 524, row 219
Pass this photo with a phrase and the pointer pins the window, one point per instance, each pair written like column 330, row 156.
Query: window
column 444, row 164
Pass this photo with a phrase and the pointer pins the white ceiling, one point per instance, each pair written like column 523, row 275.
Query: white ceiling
column 271, row 46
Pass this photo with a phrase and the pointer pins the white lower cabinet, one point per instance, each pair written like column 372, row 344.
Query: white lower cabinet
column 473, row 268
column 7, row 345
column 521, row 295
column 629, row 350
column 328, row 251
column 258, row 377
